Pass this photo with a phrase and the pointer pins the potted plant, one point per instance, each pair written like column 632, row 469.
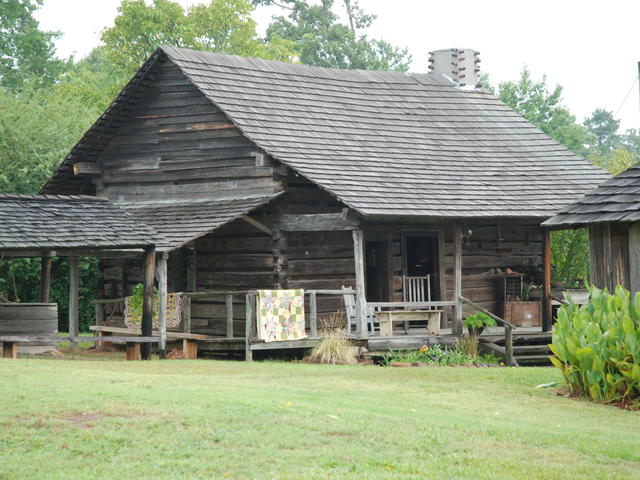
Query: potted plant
column 477, row 322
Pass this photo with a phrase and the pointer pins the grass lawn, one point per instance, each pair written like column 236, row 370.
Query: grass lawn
column 205, row 419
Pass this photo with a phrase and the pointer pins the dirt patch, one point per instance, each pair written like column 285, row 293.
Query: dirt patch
column 84, row 420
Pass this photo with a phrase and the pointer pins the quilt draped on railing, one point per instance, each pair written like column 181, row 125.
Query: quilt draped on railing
column 280, row 315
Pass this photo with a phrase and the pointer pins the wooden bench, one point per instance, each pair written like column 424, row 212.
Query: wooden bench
column 9, row 343
column 189, row 340
column 388, row 318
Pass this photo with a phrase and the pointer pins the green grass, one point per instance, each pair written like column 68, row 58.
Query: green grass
column 206, row 419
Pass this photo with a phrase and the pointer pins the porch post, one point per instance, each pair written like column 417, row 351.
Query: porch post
column 457, row 278
column 147, row 300
column 45, row 279
column 162, row 287
column 74, row 288
column 547, row 312
column 361, row 301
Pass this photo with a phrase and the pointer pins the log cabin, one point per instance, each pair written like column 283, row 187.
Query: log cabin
column 263, row 174
column 611, row 212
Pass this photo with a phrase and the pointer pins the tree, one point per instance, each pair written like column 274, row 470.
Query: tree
column 26, row 52
column 223, row 26
column 544, row 108
column 321, row 40
column 38, row 127
column 603, row 132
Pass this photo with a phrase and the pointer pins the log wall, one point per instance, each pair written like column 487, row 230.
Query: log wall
column 175, row 144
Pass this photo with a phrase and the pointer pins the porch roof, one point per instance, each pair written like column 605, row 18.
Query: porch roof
column 66, row 222
column 180, row 222
column 615, row 200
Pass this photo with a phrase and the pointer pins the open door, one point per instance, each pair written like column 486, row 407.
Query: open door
column 377, row 271
column 421, row 254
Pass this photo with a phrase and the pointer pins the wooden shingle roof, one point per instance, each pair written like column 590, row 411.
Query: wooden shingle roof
column 384, row 143
column 60, row 222
column 616, row 200
column 388, row 143
column 182, row 222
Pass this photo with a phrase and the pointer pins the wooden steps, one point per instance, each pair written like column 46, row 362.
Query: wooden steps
column 528, row 350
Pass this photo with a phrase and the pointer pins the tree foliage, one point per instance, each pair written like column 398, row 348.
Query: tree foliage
column 320, row 39
column 38, row 126
column 543, row 108
column 609, row 149
column 26, row 52
column 222, row 26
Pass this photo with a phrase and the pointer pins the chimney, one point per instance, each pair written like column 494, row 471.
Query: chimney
column 459, row 64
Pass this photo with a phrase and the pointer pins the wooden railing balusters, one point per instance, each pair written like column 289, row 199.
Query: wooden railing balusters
column 229, row 313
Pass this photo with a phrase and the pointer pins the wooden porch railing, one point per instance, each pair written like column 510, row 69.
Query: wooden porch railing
column 508, row 330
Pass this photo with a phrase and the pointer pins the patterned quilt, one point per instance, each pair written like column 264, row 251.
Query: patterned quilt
column 280, row 315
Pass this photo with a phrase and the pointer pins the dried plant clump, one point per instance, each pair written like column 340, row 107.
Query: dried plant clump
column 335, row 349
column 334, row 321
column 468, row 344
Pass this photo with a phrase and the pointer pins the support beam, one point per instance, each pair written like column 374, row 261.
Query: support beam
column 320, row 222
column 74, row 289
column 547, row 311
column 91, row 169
column 45, row 279
column 162, row 294
column 147, row 300
column 250, row 304
column 259, row 225
column 457, row 278
column 189, row 349
column 361, row 300
column 9, row 350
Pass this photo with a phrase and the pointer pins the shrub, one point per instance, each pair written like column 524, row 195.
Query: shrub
column 597, row 346
column 334, row 348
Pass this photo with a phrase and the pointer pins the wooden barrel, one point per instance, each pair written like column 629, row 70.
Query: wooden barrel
column 38, row 319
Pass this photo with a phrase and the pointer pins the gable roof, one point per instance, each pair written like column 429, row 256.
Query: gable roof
column 616, row 200
column 60, row 222
column 388, row 143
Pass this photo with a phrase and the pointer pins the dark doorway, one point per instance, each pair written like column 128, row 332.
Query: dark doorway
column 422, row 258
column 377, row 271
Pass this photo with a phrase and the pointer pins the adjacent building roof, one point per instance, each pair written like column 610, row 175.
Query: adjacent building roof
column 384, row 143
column 616, row 200
column 60, row 222
column 181, row 222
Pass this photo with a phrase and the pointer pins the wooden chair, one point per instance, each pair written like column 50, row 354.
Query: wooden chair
column 350, row 309
column 416, row 289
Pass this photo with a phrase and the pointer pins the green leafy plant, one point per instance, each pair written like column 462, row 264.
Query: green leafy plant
column 136, row 299
column 597, row 346
column 335, row 349
column 476, row 322
column 436, row 355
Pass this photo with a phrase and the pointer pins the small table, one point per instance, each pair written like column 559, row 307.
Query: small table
column 388, row 318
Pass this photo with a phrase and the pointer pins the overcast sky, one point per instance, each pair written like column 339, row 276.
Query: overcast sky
column 589, row 47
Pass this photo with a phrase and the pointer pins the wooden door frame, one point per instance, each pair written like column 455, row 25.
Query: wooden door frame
column 438, row 233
